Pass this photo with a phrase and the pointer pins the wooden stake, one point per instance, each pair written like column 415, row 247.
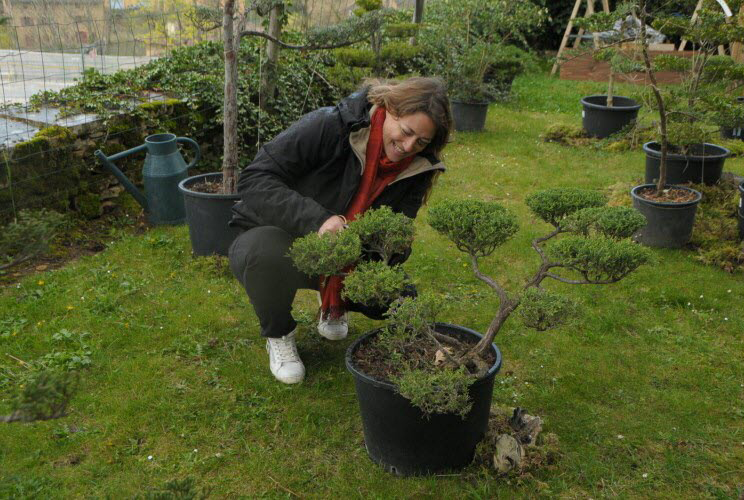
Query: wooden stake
column 569, row 28
column 564, row 41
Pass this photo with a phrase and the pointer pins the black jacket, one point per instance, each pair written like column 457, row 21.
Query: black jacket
column 311, row 171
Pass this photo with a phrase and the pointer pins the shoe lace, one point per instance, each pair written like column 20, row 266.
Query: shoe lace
column 285, row 350
column 342, row 320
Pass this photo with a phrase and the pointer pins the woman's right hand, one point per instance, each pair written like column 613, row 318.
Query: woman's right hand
column 334, row 223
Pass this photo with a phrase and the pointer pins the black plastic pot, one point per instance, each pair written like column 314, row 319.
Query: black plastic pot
column 740, row 212
column 705, row 164
column 669, row 225
column 207, row 216
column 737, row 130
column 469, row 116
column 405, row 442
column 602, row 121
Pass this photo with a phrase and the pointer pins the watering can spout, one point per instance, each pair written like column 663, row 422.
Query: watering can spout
column 164, row 168
column 108, row 162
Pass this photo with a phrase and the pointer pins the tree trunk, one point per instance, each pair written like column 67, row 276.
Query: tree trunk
column 611, row 89
column 268, row 72
column 418, row 17
column 230, row 112
column 659, row 99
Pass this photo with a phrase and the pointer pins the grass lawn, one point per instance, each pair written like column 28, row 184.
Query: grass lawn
column 645, row 390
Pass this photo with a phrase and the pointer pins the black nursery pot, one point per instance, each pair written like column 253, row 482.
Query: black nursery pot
column 703, row 165
column 207, row 215
column 469, row 116
column 401, row 438
column 737, row 130
column 669, row 225
column 602, row 121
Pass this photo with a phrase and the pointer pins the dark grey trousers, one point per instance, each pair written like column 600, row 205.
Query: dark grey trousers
column 258, row 259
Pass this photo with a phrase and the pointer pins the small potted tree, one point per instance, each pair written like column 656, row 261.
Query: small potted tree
column 604, row 115
column 424, row 388
column 471, row 44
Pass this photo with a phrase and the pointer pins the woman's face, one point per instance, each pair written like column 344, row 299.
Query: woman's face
column 404, row 136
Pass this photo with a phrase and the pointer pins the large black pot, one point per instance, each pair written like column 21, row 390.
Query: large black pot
column 736, row 131
column 740, row 212
column 469, row 116
column 669, row 225
column 207, row 216
column 397, row 434
column 705, row 164
column 602, row 121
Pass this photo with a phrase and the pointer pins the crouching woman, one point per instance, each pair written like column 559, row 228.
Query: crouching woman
column 379, row 146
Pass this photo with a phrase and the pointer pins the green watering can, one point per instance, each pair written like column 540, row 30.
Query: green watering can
column 164, row 168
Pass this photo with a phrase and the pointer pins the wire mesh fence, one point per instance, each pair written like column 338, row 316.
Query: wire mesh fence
column 48, row 45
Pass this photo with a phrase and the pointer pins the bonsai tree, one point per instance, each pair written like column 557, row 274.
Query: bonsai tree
column 434, row 370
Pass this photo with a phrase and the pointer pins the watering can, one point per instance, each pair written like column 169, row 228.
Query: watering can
column 164, row 168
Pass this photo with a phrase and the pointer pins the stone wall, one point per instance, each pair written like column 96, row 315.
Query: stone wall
column 56, row 168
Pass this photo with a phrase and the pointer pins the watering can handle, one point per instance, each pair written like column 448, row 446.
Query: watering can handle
column 195, row 146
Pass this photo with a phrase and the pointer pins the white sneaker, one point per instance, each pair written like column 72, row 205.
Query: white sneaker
column 334, row 329
column 284, row 360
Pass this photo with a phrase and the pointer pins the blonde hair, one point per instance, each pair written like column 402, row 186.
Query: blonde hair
column 414, row 95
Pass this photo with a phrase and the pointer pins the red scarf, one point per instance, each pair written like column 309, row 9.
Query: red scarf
column 379, row 171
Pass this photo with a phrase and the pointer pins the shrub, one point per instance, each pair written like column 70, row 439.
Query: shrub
column 552, row 205
column 28, row 236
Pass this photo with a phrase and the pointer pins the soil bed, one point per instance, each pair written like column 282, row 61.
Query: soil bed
column 669, row 195
column 373, row 360
column 206, row 186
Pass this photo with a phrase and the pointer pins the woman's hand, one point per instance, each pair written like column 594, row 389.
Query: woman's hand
column 334, row 223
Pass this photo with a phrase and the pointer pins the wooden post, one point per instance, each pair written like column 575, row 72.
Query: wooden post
column 268, row 73
column 589, row 11
column 418, row 16
column 737, row 51
column 683, row 42
column 566, row 35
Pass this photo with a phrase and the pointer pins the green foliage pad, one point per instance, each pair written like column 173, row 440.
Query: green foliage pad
column 475, row 227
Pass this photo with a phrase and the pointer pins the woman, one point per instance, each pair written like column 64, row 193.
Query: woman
column 377, row 147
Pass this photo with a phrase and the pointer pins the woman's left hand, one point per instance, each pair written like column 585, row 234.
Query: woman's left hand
column 333, row 224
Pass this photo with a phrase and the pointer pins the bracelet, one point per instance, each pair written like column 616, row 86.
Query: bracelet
column 343, row 219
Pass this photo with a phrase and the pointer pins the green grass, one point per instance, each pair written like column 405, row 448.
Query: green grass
column 645, row 389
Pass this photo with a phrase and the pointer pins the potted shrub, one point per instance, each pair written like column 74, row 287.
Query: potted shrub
column 424, row 388
column 604, row 115
column 471, row 44
column 468, row 89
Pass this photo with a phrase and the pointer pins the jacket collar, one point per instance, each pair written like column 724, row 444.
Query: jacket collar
column 358, row 139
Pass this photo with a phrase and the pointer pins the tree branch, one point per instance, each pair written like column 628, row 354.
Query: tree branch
column 300, row 47
column 583, row 282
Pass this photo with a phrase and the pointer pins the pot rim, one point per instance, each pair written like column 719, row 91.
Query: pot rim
column 725, row 153
column 585, row 103
column 698, row 197
column 183, row 186
column 469, row 103
column 379, row 383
